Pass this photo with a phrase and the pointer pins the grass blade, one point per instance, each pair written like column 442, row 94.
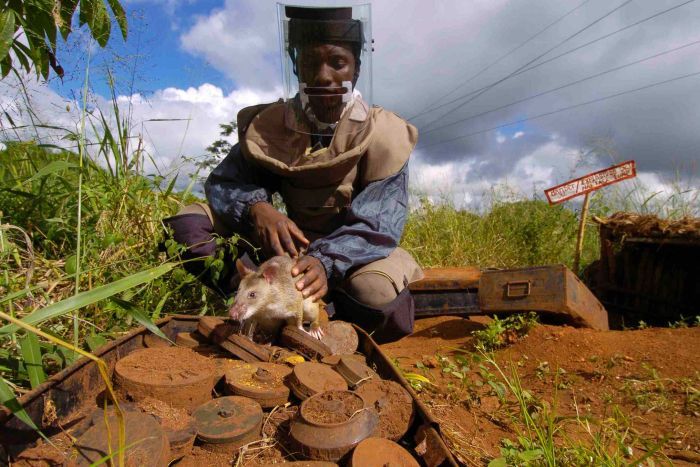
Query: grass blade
column 92, row 296
column 140, row 317
column 8, row 399
column 50, row 168
column 31, row 353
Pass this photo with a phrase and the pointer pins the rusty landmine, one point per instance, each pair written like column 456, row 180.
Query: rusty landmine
column 298, row 340
column 177, row 376
column 354, row 372
column 340, row 337
column 331, row 423
column 227, row 423
column 177, row 424
column 151, row 340
column 191, row 340
column 379, row 452
column 393, row 403
column 311, row 378
column 262, row 382
column 146, row 442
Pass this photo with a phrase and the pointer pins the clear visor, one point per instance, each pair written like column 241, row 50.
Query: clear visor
column 327, row 68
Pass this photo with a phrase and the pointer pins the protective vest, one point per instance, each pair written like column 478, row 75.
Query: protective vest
column 317, row 186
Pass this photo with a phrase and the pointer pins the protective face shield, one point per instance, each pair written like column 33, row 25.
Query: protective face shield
column 327, row 67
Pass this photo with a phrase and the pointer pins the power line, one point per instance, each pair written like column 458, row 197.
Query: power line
column 552, row 112
column 537, row 65
column 559, row 44
column 559, row 88
column 498, row 60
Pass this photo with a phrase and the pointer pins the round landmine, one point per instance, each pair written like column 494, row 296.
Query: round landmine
column 340, row 337
column 151, row 340
column 262, row 382
column 393, row 403
column 177, row 424
column 146, row 443
column 300, row 341
column 190, row 340
column 379, row 452
column 331, row 423
column 177, row 376
column 227, row 423
column 354, row 371
column 311, row 378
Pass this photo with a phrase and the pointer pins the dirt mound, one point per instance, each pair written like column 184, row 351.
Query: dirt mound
column 629, row 391
column 646, row 225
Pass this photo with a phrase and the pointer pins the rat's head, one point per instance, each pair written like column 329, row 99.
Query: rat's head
column 256, row 290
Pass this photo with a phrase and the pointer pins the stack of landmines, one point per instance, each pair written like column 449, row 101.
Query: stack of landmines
column 304, row 399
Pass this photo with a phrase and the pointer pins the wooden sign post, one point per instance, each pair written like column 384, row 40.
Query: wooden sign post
column 584, row 186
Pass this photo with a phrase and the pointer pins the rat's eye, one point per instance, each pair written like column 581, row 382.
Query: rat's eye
column 251, row 295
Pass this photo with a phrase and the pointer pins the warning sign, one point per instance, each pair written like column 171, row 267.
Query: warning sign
column 591, row 182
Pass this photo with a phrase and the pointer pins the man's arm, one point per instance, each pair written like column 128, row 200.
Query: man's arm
column 372, row 230
column 233, row 187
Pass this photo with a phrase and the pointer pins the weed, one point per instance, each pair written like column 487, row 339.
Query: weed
column 501, row 332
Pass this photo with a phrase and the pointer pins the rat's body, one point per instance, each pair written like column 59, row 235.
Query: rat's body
column 268, row 296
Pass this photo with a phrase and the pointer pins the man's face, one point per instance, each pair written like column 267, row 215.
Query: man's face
column 326, row 66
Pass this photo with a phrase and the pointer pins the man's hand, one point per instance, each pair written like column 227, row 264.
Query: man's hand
column 276, row 233
column 314, row 283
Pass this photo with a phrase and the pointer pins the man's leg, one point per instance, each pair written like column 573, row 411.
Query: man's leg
column 195, row 227
column 375, row 296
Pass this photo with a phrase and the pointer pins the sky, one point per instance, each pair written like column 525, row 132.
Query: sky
column 554, row 89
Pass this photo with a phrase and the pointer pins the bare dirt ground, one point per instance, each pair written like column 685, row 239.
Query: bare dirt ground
column 627, row 392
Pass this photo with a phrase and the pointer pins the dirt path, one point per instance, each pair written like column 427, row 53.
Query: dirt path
column 625, row 391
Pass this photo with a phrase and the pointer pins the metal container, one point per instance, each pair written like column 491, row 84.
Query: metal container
column 77, row 387
column 550, row 289
column 227, row 423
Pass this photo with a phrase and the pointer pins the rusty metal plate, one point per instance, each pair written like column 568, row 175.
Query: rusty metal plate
column 215, row 329
column 333, row 360
column 260, row 352
column 146, row 442
column 178, row 376
column 301, row 464
column 262, row 382
column 303, row 343
column 393, row 403
column 379, row 452
column 330, row 424
column 310, row 378
column 354, row 371
column 232, row 421
column 340, row 337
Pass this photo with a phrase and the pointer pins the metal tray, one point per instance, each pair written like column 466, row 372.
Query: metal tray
column 64, row 397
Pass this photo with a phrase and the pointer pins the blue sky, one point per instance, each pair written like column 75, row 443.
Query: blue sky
column 202, row 61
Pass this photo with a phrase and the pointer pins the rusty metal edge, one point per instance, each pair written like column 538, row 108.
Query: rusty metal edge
column 421, row 409
column 6, row 414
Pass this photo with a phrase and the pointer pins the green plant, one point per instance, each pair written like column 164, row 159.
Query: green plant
column 501, row 332
column 30, row 28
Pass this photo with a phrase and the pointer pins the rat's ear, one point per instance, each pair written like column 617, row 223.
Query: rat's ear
column 244, row 267
column 270, row 271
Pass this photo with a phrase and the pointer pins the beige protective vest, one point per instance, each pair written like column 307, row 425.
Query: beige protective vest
column 318, row 186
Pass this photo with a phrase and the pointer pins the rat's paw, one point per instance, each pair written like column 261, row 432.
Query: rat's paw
column 316, row 332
